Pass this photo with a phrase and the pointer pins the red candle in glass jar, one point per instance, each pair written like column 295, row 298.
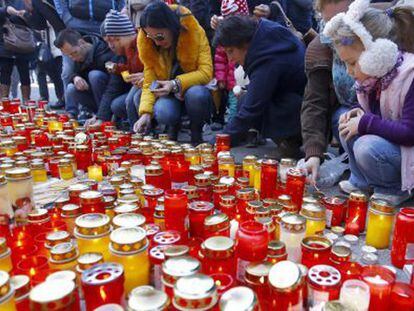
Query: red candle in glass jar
column 176, row 210
column 222, row 142
column 218, row 256
column 180, row 175
column 83, row 157
column 216, row 225
column 286, row 291
column 37, row 220
column 276, row 252
column 380, row 281
column 219, row 190
column 402, row 251
column 40, row 138
column 357, row 213
column 54, row 167
column 243, row 196
column 335, row 208
column 316, row 250
column 74, row 192
column 32, row 265
column 22, row 252
column 204, row 189
column 92, row 202
column 257, row 275
column 251, row 246
column 295, row 185
column 402, row 297
column 350, row 271
column 224, row 282
column 340, row 255
column 228, row 205
column 198, row 211
column 154, row 175
column 103, row 284
column 21, row 284
column 151, row 197
column 324, row 283
column 268, row 178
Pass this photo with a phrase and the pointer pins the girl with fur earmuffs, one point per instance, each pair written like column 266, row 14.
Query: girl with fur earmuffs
column 379, row 134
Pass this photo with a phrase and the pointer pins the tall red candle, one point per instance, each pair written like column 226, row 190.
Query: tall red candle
column 357, row 213
column 176, row 210
column 380, row 281
column 402, row 297
column 295, row 185
column 268, row 178
column 402, row 251
column 198, row 211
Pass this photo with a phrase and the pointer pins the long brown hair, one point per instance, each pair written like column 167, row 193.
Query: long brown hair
column 403, row 27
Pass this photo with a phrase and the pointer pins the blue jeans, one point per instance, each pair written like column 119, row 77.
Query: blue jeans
column 335, row 120
column 374, row 162
column 67, row 70
column 124, row 106
column 89, row 99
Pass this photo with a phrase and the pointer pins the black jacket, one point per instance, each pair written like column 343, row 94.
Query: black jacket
column 95, row 60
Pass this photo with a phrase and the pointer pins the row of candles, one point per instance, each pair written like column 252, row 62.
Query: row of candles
column 263, row 196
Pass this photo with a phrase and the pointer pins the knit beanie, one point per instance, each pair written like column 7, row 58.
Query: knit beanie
column 117, row 24
column 234, row 7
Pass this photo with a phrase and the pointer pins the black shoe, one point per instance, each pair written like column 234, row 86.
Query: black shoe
column 173, row 132
column 254, row 139
column 57, row 105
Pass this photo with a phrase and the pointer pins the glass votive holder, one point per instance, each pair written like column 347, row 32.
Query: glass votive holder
column 32, row 265
column 355, row 294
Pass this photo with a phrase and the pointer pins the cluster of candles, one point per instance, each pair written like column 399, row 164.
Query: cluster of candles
column 153, row 225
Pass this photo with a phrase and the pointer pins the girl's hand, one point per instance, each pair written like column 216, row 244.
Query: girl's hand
column 351, row 113
column 349, row 129
column 165, row 88
column 262, row 10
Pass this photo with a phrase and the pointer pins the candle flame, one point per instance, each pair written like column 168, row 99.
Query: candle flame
column 32, row 271
column 218, row 283
column 103, row 294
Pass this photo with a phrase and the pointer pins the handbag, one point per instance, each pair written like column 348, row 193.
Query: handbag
column 18, row 38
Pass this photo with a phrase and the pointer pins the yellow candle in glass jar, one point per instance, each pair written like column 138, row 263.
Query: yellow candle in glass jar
column 129, row 248
column 95, row 172
column 92, row 233
column 315, row 218
column 65, row 169
column 192, row 156
column 380, row 222
column 257, row 171
column 55, row 126
column 226, row 165
column 63, row 256
column 39, row 172
column 5, row 259
column 249, row 162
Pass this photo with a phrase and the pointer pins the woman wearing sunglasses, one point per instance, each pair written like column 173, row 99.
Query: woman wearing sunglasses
column 177, row 64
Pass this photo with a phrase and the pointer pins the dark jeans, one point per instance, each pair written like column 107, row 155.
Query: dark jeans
column 6, row 69
column 124, row 106
column 54, row 70
column 89, row 99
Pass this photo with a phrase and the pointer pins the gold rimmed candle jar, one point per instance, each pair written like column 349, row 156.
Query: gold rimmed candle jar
column 189, row 297
column 75, row 190
column 217, row 225
column 315, row 250
column 218, row 256
column 128, row 220
column 276, row 252
column 92, row 233
column 66, row 170
column 39, row 172
column 147, row 298
column 63, row 256
column 315, row 218
column 128, row 247
column 292, row 231
column 381, row 215
column 256, row 277
column 88, row 260
column 91, row 202
column 69, row 213
column 20, row 189
column 172, row 251
column 56, row 237
column 60, row 293
column 5, row 258
column 6, row 293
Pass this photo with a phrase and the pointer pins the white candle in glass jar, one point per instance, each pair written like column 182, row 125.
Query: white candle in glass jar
column 355, row 294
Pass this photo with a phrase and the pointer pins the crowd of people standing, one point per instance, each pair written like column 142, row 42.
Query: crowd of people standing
column 302, row 73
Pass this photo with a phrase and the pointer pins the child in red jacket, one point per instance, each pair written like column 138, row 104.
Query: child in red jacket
column 223, row 68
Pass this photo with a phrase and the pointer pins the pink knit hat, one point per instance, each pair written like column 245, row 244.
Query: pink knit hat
column 233, row 7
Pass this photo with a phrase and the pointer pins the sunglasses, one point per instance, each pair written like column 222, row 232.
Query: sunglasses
column 157, row 37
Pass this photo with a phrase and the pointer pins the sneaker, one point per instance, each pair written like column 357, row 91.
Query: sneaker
column 347, row 187
column 391, row 198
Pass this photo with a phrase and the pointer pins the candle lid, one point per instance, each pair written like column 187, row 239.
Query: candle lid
column 284, row 276
column 313, row 211
column 368, row 249
column 128, row 240
column 338, row 230
column 227, row 180
column 276, row 248
column 202, row 180
column 77, row 188
column 352, row 239
column 157, row 252
column 334, row 200
column 128, row 220
column 37, row 164
column 63, row 252
column 369, row 258
column 21, row 285
column 90, row 196
column 284, row 199
column 38, row 215
column 316, row 243
column 324, row 275
column 382, row 207
column 116, row 180
column 201, row 206
column 137, row 182
column 190, row 191
column 293, row 222
column 258, row 273
column 57, row 237
column 92, row 224
column 253, row 206
column 331, row 236
column 59, row 293
column 88, row 260
column 151, row 229
column 154, row 192
column 176, row 251
column 267, row 222
column 66, row 275
column 358, row 196
column 218, row 247
column 102, row 273
column 18, row 173
column 203, row 296
column 167, row 237
column 262, row 212
column 4, row 284
column 153, row 170
column 238, row 298
column 245, row 194
column 310, row 199
column 147, row 298
column 65, row 163
column 341, row 251
column 70, row 210
column 126, row 209
column 177, row 267
column 216, row 222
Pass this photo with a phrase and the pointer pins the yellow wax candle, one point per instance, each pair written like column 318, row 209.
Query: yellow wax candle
column 92, row 245
column 95, row 172
column 66, row 169
column 226, row 170
column 315, row 226
column 315, row 218
column 55, row 126
column 380, row 223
